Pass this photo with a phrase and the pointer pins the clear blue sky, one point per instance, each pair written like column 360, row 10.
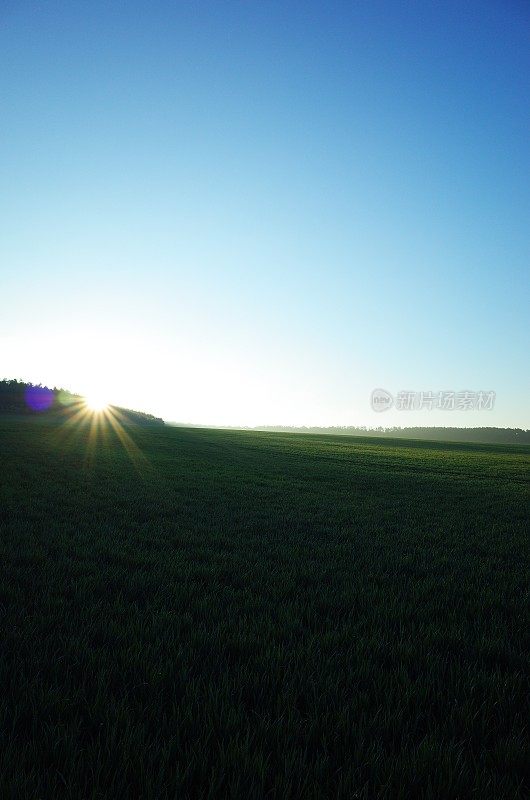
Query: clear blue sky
column 257, row 212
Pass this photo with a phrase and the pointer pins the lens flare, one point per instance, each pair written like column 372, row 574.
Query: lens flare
column 39, row 398
column 91, row 418
column 96, row 403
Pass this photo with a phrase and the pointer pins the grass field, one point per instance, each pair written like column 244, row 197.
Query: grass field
column 256, row 615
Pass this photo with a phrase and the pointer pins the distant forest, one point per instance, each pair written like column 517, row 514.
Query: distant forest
column 486, row 435
column 22, row 398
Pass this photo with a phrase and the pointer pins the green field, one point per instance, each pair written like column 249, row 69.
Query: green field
column 224, row 614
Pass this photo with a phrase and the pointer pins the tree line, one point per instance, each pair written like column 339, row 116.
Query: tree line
column 485, row 435
column 20, row 397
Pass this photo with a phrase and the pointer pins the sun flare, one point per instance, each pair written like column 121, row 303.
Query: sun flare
column 96, row 403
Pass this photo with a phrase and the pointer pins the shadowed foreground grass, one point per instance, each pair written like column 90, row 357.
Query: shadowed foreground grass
column 256, row 615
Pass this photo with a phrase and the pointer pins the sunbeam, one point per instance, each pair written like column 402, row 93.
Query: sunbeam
column 100, row 423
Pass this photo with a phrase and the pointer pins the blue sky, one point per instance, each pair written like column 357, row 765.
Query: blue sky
column 256, row 213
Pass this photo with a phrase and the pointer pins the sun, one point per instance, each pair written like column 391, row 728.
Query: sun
column 95, row 402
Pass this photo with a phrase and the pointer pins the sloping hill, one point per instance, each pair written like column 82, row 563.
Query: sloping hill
column 28, row 399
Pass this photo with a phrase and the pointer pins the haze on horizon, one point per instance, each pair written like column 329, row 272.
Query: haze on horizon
column 255, row 214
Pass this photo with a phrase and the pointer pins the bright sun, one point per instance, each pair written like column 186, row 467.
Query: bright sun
column 95, row 402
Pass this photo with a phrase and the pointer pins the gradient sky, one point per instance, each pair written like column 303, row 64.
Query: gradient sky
column 256, row 212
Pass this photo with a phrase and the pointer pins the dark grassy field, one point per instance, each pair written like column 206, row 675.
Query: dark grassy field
column 258, row 615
